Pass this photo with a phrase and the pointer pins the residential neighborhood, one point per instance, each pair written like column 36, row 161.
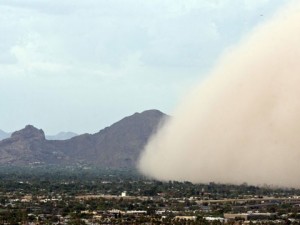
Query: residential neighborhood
column 91, row 196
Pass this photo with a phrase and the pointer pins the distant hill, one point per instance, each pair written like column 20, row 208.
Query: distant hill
column 117, row 146
column 61, row 136
column 4, row 135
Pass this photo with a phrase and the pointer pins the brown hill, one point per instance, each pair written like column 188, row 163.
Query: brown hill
column 116, row 146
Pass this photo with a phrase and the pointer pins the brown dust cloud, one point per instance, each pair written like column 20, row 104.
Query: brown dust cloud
column 242, row 124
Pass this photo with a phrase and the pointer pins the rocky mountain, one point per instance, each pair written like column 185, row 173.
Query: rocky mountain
column 61, row 136
column 4, row 135
column 117, row 146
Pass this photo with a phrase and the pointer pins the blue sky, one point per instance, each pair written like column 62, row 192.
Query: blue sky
column 80, row 65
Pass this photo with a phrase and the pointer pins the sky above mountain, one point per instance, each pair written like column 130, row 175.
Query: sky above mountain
column 81, row 65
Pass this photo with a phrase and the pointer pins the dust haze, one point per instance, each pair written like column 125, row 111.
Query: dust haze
column 242, row 124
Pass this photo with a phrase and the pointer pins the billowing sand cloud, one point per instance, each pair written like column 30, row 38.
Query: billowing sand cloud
column 243, row 123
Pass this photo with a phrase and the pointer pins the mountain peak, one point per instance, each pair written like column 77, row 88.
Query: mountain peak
column 117, row 146
column 152, row 111
column 29, row 132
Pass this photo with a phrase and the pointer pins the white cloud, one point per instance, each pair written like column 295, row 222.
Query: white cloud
column 124, row 48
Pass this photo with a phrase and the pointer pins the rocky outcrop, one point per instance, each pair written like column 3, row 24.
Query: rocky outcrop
column 116, row 146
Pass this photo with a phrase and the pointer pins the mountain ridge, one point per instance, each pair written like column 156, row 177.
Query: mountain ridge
column 4, row 135
column 63, row 135
column 59, row 136
column 116, row 146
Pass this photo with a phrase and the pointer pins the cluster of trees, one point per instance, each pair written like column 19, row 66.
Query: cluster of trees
column 47, row 179
column 64, row 183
